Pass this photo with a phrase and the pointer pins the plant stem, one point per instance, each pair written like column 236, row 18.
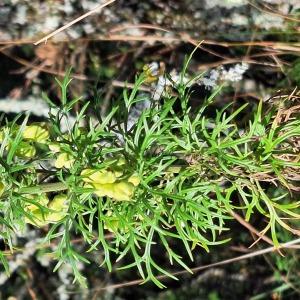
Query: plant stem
column 44, row 188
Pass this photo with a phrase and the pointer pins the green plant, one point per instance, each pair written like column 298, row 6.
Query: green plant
column 176, row 175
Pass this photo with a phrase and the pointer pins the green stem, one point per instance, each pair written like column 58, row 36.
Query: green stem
column 44, row 188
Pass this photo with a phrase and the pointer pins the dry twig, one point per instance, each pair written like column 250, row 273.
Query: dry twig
column 197, row 269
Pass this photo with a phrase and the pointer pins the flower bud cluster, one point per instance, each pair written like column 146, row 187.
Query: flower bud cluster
column 112, row 182
column 46, row 211
column 31, row 135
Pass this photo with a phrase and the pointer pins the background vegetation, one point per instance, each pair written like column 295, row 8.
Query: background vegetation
column 205, row 147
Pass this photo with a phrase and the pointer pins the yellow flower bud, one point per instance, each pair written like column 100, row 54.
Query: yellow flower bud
column 54, row 147
column 40, row 199
column 134, row 179
column 112, row 225
column 98, row 176
column 118, row 173
column 121, row 162
column 59, row 202
column 150, row 73
column 123, row 191
column 56, row 216
column 104, row 189
column 67, row 137
column 25, row 150
column 59, row 206
column 36, row 133
column 81, row 131
column 38, row 219
column 64, row 160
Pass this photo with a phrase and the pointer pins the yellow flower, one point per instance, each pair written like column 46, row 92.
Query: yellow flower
column 98, row 176
column 25, row 150
column 134, row 179
column 64, row 160
column 58, row 210
column 54, row 147
column 123, row 191
column 117, row 165
column 121, row 162
column 36, row 133
column 40, row 199
column 153, row 71
column 81, row 131
column 109, row 183
column 102, row 190
column 38, row 218
column 59, row 206
column 118, row 173
column 59, row 202
column 112, row 225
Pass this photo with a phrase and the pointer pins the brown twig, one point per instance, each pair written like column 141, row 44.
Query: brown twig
column 201, row 268
column 28, row 64
column 251, row 228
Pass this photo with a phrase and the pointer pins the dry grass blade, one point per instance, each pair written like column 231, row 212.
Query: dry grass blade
column 137, row 26
column 98, row 7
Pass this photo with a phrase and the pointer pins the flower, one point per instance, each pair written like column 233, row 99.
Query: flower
column 59, row 206
column 151, row 71
column 54, row 147
column 37, row 216
column 123, row 191
column 112, row 224
column 111, row 183
column 30, row 134
column 64, row 160
column 1, row 135
column 36, row 133
column 134, row 179
column 56, row 210
column 102, row 190
column 98, row 176
column 39, row 199
column 25, row 150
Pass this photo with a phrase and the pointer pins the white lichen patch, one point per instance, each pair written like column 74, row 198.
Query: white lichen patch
column 267, row 21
